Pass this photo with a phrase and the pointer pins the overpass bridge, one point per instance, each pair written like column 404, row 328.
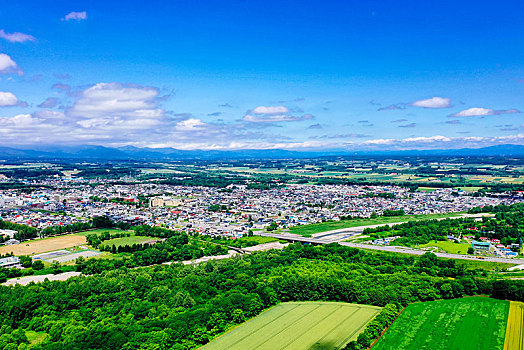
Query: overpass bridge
column 294, row 238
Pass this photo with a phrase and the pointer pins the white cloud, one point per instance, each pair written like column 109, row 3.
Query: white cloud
column 478, row 112
column 7, row 65
column 379, row 142
column 239, row 145
column 115, row 100
column 440, row 142
column 7, row 99
column 437, row 138
column 275, row 118
column 190, row 125
column 16, row 37
column 434, row 102
column 473, row 112
column 272, row 114
column 77, row 16
column 270, row 110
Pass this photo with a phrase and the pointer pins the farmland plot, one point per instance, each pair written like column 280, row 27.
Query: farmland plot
column 465, row 324
column 515, row 328
column 305, row 325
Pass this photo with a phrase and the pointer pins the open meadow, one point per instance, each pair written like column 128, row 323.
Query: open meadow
column 465, row 324
column 300, row 325
column 447, row 246
column 117, row 242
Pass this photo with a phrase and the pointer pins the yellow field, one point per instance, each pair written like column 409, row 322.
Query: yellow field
column 44, row 245
column 299, row 325
column 515, row 329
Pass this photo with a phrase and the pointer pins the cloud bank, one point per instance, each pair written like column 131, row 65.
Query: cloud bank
column 434, row 102
column 8, row 99
column 77, row 16
column 7, row 65
column 16, row 37
column 479, row 112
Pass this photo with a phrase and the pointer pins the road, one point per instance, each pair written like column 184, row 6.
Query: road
column 341, row 234
column 24, row 281
column 405, row 250
column 395, row 249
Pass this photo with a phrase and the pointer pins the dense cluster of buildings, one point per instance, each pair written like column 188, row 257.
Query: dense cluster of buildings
column 227, row 211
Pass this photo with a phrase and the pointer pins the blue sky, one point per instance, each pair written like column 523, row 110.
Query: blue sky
column 262, row 74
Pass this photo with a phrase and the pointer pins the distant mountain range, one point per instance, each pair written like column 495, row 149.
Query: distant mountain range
column 88, row 152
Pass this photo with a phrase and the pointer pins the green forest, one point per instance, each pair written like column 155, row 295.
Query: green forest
column 183, row 307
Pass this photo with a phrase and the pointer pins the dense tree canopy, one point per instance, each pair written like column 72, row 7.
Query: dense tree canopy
column 182, row 307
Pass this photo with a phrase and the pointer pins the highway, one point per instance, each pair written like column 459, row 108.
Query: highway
column 396, row 249
column 342, row 234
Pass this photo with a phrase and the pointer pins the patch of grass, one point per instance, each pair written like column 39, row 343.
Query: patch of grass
column 127, row 240
column 335, row 225
column 485, row 265
column 510, row 275
column 100, row 230
column 427, row 189
column 35, row 337
column 303, row 325
column 257, row 239
column 448, row 246
column 467, row 323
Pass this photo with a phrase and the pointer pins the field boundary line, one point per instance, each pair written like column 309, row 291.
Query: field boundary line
column 389, row 325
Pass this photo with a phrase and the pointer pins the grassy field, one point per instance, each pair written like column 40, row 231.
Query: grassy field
column 128, row 240
column 328, row 226
column 427, row 189
column 467, row 323
column 515, row 329
column 485, row 265
column 305, row 325
column 44, row 245
column 448, row 246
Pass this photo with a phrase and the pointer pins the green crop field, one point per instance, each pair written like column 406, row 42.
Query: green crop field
column 335, row 225
column 305, row 325
column 467, row 323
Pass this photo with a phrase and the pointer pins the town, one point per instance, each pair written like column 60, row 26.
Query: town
column 230, row 211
